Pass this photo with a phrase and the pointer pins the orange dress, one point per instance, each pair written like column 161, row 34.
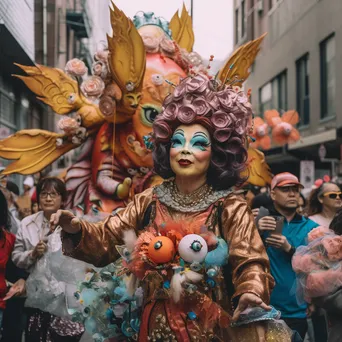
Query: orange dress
column 248, row 262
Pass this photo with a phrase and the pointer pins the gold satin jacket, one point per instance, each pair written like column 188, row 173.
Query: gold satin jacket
column 247, row 255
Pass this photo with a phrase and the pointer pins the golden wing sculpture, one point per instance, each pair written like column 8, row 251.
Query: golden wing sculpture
column 182, row 31
column 259, row 172
column 61, row 93
column 32, row 150
column 236, row 69
column 127, row 56
column 53, row 87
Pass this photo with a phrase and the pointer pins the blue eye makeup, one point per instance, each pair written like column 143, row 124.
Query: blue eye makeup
column 200, row 141
column 178, row 140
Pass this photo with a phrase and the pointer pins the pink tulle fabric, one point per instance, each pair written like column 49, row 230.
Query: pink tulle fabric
column 322, row 283
column 319, row 264
column 317, row 233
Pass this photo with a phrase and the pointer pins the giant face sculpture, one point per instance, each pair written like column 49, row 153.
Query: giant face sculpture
column 141, row 56
column 155, row 89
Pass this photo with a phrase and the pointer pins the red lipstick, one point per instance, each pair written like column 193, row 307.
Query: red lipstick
column 184, row 162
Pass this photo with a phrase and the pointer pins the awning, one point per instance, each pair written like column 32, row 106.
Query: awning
column 314, row 139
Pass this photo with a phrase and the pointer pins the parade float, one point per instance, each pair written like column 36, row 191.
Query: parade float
column 108, row 115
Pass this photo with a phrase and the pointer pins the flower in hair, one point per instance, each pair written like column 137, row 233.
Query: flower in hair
column 188, row 99
column 200, row 105
column 240, row 127
column 186, row 114
column 179, row 91
column 170, row 111
column 225, row 98
column 196, row 84
column 221, row 119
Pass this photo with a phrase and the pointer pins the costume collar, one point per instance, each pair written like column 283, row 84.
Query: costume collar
column 164, row 193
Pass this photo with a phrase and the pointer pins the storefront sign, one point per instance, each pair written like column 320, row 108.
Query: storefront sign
column 307, row 173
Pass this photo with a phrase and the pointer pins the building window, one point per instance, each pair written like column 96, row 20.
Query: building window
column 243, row 18
column 250, row 20
column 237, row 26
column 265, row 95
column 328, row 78
column 303, row 95
column 273, row 95
column 7, row 110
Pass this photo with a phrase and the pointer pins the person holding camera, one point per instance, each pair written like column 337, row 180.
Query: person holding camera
column 283, row 230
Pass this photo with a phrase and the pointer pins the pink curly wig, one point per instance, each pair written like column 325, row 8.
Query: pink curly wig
column 225, row 113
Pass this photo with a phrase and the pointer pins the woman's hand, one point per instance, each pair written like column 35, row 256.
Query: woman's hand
column 39, row 250
column 17, row 289
column 66, row 220
column 246, row 300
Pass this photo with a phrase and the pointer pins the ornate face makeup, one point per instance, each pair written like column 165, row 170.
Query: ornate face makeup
column 190, row 151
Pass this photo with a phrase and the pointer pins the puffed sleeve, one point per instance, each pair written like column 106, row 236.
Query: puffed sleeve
column 247, row 254
column 97, row 241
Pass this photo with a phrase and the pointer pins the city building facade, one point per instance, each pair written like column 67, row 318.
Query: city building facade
column 297, row 68
column 48, row 32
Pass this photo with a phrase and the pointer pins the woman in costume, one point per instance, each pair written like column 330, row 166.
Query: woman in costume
column 182, row 229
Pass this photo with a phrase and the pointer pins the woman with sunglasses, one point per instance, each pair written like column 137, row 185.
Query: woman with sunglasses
column 323, row 203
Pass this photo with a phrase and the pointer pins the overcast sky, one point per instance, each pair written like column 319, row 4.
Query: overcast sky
column 213, row 21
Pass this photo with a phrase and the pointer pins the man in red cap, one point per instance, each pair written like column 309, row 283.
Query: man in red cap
column 283, row 231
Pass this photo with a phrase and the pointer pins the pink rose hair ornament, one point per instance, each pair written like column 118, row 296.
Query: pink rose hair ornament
column 223, row 110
